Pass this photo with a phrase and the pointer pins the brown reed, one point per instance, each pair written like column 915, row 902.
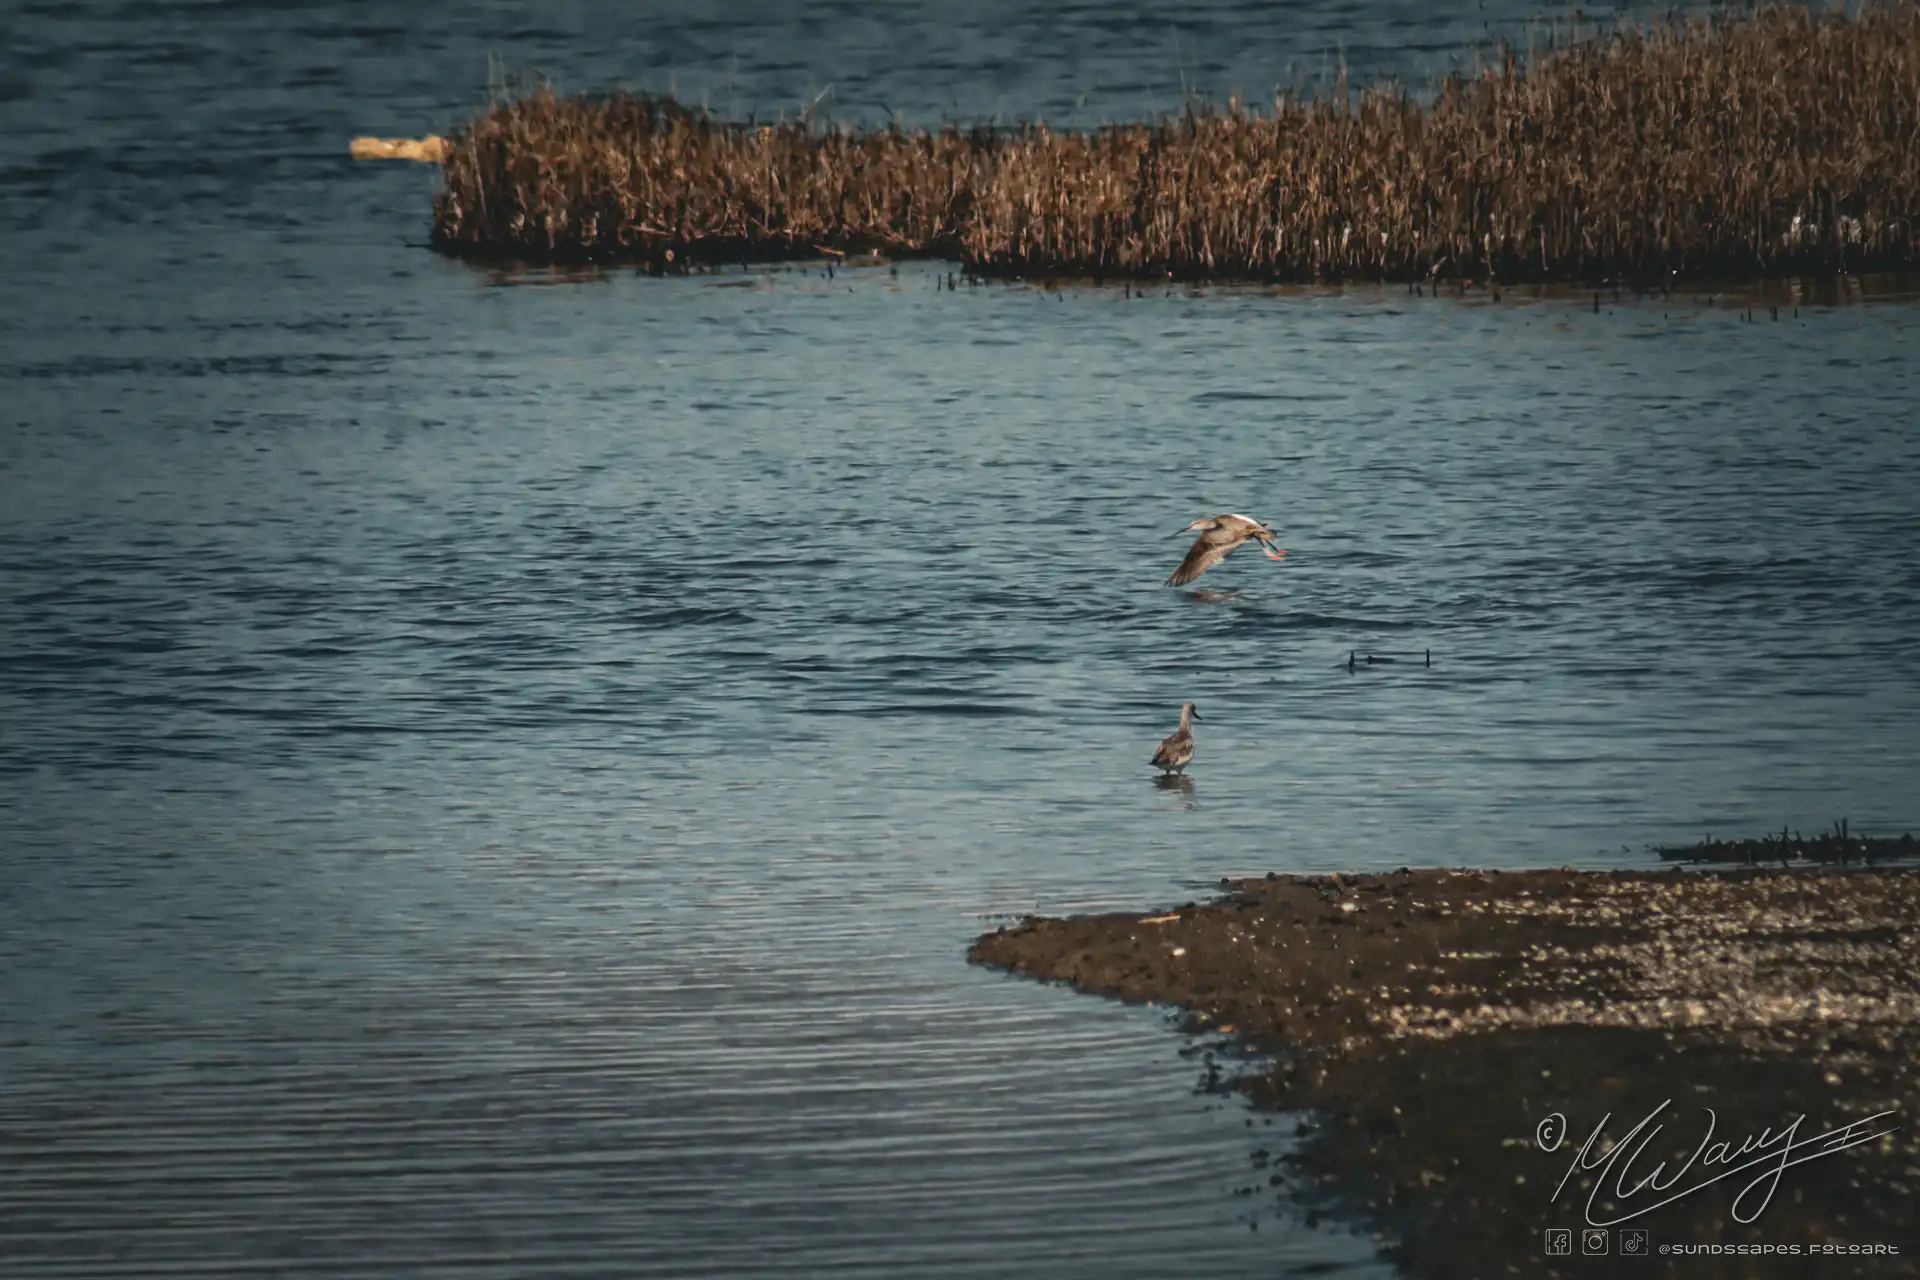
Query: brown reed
column 1777, row 141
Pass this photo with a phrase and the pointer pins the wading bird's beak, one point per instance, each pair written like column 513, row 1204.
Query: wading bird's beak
column 1197, row 715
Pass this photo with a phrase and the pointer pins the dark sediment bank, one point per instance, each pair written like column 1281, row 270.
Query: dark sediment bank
column 1432, row 1021
column 1836, row 847
column 1782, row 141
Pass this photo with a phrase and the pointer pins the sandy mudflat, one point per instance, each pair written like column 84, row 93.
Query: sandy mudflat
column 1429, row 1022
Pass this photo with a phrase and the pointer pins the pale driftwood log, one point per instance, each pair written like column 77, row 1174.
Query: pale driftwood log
column 431, row 149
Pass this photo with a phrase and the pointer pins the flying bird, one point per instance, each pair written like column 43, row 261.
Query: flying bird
column 1218, row 536
column 1176, row 749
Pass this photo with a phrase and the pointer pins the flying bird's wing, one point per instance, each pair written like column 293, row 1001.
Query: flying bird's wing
column 1208, row 550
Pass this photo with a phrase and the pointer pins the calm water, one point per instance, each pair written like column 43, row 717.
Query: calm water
column 497, row 774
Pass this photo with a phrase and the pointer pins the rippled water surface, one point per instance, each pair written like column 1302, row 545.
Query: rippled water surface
column 498, row 772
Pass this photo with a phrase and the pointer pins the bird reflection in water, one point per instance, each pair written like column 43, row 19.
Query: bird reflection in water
column 1178, row 783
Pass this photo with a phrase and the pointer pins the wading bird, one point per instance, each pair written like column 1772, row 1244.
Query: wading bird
column 1219, row 535
column 1177, row 748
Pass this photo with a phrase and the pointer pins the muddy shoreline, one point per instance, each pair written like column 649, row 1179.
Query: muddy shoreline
column 1428, row 1023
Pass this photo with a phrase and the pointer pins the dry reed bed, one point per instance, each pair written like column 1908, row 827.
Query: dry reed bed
column 1779, row 141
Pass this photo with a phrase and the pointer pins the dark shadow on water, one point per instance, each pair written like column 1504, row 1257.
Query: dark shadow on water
column 1177, row 783
column 510, row 274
